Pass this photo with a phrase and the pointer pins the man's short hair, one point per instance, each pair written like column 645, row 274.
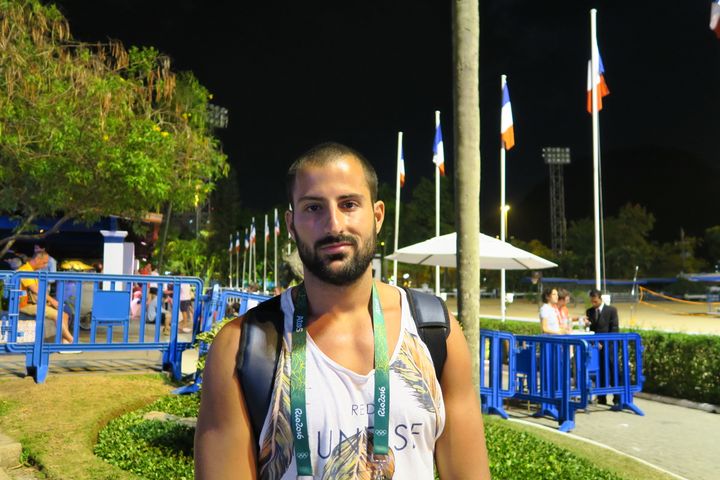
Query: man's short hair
column 325, row 153
column 595, row 293
column 563, row 293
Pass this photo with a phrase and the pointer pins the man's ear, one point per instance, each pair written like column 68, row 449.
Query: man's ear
column 379, row 212
column 289, row 223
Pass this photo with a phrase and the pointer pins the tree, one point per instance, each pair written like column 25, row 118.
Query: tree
column 678, row 257
column 712, row 244
column 92, row 130
column 466, row 101
column 627, row 241
column 417, row 219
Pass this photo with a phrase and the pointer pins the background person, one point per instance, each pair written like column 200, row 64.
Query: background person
column 603, row 319
column 563, row 312
column 28, row 302
column 549, row 314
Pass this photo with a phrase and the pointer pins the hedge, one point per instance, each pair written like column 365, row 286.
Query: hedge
column 159, row 450
column 676, row 365
column 150, row 448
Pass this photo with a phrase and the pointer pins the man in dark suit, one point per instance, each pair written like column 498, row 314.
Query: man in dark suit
column 602, row 319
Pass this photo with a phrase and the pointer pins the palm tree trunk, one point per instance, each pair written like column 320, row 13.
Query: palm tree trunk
column 466, row 46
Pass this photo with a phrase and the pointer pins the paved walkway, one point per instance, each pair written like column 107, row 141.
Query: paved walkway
column 682, row 441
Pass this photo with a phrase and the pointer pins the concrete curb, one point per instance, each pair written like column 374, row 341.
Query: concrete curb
column 9, row 452
column 679, row 402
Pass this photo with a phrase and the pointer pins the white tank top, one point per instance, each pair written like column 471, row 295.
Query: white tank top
column 340, row 412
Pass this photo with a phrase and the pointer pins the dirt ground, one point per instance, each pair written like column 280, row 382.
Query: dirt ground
column 664, row 316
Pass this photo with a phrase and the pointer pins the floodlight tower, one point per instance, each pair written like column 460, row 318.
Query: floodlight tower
column 555, row 158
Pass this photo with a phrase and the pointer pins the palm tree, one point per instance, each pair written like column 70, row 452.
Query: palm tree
column 466, row 45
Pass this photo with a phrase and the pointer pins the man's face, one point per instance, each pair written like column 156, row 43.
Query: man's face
column 334, row 221
column 595, row 301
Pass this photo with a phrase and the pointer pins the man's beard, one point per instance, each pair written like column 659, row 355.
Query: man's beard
column 356, row 263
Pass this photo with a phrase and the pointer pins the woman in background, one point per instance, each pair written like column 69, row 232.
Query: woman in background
column 549, row 314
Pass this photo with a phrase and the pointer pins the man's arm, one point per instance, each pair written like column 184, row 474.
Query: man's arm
column 33, row 288
column 224, row 443
column 460, row 451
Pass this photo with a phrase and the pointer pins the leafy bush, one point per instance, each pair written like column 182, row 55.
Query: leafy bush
column 520, row 455
column 159, row 450
column 682, row 366
column 677, row 365
column 149, row 448
column 512, row 326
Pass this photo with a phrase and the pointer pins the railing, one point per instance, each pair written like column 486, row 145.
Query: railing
column 222, row 303
column 560, row 373
column 111, row 313
column 495, row 349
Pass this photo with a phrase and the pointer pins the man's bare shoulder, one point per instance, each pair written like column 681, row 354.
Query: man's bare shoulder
column 228, row 338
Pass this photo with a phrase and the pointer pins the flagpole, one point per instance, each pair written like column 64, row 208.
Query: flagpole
column 397, row 205
column 230, row 265
column 242, row 284
column 265, row 242
column 437, row 209
column 596, row 140
column 251, row 268
column 237, row 263
column 276, row 230
column 289, row 243
column 503, row 210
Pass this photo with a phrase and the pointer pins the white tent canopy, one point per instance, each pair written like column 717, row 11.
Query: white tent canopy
column 494, row 254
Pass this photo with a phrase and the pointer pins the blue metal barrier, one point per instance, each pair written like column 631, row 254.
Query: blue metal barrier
column 615, row 367
column 111, row 309
column 222, row 303
column 560, row 372
column 496, row 348
column 551, row 370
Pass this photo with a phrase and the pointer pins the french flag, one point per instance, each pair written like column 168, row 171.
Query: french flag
column 252, row 233
column 507, row 131
column 277, row 224
column 715, row 17
column 267, row 229
column 438, row 150
column 602, row 88
column 237, row 242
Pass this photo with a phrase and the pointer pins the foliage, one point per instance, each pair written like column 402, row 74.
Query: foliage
column 417, row 218
column 91, row 130
column 156, row 449
column 682, row 366
column 512, row 326
column 187, row 257
column 520, row 455
column 207, row 337
column 674, row 364
column 149, row 448
column 712, row 244
column 679, row 257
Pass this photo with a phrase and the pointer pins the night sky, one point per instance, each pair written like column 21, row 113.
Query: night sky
column 358, row 72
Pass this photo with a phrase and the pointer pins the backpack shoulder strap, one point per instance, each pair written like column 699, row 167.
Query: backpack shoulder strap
column 257, row 358
column 433, row 323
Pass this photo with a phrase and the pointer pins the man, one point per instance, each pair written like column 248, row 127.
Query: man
column 334, row 221
column 602, row 319
column 28, row 302
column 51, row 265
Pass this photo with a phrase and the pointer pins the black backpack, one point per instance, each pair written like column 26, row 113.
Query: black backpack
column 261, row 341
